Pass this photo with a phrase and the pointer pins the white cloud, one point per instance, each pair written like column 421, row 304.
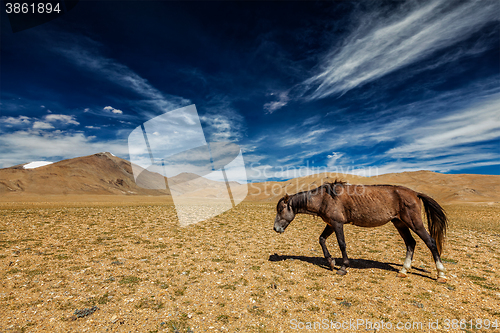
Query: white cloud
column 65, row 119
column 26, row 146
column 283, row 100
column 42, row 125
column 20, row 120
column 385, row 43
column 112, row 110
column 334, row 157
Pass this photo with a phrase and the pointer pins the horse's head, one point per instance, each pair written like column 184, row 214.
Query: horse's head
column 284, row 214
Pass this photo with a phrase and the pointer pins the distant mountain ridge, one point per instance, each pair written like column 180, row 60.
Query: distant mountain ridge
column 442, row 187
column 106, row 174
column 98, row 174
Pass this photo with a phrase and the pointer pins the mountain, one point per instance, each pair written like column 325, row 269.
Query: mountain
column 194, row 186
column 101, row 173
column 106, row 174
column 442, row 187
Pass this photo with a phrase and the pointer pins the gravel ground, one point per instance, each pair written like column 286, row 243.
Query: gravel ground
column 133, row 269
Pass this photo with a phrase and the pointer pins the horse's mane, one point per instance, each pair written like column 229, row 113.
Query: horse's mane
column 331, row 188
column 299, row 200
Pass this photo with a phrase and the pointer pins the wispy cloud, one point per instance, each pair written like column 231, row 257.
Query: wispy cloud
column 282, row 100
column 412, row 33
column 306, row 137
column 477, row 124
column 451, row 131
column 384, row 41
column 437, row 164
column 221, row 121
column 466, row 138
column 83, row 53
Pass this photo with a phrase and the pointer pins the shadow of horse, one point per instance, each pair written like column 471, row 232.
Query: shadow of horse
column 355, row 263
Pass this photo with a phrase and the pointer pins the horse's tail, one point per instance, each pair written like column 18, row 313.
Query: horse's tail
column 436, row 219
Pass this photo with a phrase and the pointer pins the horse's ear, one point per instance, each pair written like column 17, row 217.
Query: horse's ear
column 286, row 197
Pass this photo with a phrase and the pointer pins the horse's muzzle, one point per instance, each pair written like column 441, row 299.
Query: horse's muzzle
column 279, row 230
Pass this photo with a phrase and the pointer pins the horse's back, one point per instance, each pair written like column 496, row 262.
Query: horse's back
column 375, row 205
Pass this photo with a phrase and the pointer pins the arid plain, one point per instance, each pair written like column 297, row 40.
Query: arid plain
column 125, row 257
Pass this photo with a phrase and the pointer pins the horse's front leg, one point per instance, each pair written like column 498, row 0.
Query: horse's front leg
column 410, row 249
column 322, row 241
column 339, row 232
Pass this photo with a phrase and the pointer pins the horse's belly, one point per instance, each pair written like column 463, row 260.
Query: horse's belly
column 371, row 220
column 369, row 224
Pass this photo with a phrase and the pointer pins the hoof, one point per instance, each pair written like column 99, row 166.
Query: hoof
column 331, row 263
column 341, row 272
column 402, row 275
column 442, row 279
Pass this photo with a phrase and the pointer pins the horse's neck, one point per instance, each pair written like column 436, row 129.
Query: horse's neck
column 311, row 207
column 308, row 208
column 307, row 211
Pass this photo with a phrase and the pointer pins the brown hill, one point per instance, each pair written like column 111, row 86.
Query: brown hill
column 106, row 174
column 98, row 174
column 101, row 173
column 194, row 186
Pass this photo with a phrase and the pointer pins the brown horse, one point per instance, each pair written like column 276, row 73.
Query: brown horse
column 368, row 206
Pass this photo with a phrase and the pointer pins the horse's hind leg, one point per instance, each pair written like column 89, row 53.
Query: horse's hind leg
column 420, row 230
column 410, row 247
column 339, row 232
column 322, row 241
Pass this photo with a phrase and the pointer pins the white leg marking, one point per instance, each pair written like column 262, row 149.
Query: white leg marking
column 441, row 270
column 407, row 263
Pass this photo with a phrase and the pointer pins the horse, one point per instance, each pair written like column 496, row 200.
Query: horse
column 339, row 203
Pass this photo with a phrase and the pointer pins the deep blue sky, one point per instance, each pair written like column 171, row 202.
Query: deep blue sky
column 358, row 86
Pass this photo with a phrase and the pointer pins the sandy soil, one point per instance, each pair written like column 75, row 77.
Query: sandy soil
column 231, row 273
